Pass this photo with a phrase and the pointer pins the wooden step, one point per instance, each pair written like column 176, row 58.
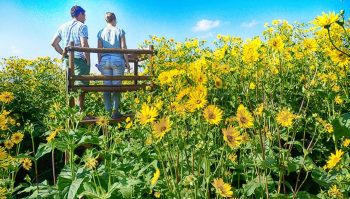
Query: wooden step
column 111, row 121
column 109, row 88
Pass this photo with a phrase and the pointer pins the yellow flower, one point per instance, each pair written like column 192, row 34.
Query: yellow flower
column 91, row 163
column 128, row 125
column 285, row 118
column 148, row 141
column 147, row 114
column 26, row 163
column 212, row 114
column 346, row 142
column 218, row 82
column 137, row 100
column 328, row 127
column 161, row 127
column 259, row 110
column 223, row 189
column 165, row 78
column 56, row 106
column 182, row 94
column 6, row 97
column 3, row 193
column 338, row 100
column 224, row 68
column 155, row 177
column 334, row 192
column 200, row 78
column 250, row 51
column 17, row 137
column 159, row 104
column 8, row 144
column 173, row 106
column 51, row 136
column 252, row 86
column 310, row 44
column 157, row 194
column 3, row 153
column 244, row 117
column 128, row 119
column 232, row 136
column 197, row 101
column 336, row 88
column 232, row 157
column 102, row 121
column 276, row 43
column 334, row 159
column 189, row 180
column 325, row 20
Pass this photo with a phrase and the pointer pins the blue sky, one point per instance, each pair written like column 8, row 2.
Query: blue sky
column 27, row 27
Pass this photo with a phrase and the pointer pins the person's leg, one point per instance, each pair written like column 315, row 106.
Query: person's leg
column 107, row 71
column 81, row 68
column 71, row 101
column 81, row 101
column 117, row 71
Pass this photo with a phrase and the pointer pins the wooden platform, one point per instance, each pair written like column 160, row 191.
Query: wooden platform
column 111, row 121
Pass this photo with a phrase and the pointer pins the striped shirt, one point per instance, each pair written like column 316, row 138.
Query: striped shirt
column 72, row 31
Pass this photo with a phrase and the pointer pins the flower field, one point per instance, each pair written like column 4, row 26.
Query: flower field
column 266, row 117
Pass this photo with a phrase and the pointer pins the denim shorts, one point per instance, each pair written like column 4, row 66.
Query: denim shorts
column 111, row 62
column 112, row 66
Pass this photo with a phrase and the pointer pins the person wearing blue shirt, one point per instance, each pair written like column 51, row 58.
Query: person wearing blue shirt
column 112, row 64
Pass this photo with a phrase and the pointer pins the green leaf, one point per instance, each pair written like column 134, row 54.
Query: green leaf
column 250, row 187
column 42, row 150
column 73, row 189
column 154, row 163
column 322, row 178
column 111, row 189
column 88, row 139
column 341, row 126
column 304, row 195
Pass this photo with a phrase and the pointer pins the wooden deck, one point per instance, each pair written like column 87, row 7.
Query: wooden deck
column 111, row 121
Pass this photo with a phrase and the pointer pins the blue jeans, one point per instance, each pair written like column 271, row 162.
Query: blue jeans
column 112, row 66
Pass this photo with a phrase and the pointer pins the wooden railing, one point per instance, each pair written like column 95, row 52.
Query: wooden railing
column 134, row 57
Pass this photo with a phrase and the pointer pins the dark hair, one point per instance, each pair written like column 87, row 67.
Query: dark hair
column 76, row 10
column 110, row 16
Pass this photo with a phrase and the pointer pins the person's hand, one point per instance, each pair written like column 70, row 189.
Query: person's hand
column 65, row 52
column 127, row 66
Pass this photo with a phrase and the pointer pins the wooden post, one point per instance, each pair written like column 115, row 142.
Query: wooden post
column 136, row 70
column 71, row 72
column 151, row 47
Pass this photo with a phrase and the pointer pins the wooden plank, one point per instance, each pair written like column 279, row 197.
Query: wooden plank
column 111, row 121
column 71, row 72
column 112, row 88
column 102, row 77
column 151, row 48
column 136, row 71
column 109, row 50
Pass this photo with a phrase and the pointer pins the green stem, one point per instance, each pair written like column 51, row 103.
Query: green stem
column 330, row 39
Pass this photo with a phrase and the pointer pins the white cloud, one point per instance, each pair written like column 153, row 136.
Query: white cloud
column 14, row 49
column 249, row 24
column 205, row 25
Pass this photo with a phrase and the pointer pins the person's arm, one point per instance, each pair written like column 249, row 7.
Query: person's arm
column 126, row 58
column 56, row 45
column 99, row 45
column 83, row 34
column 84, row 43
